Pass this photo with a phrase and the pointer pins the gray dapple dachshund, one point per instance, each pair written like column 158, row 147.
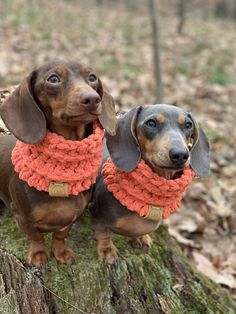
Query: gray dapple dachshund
column 168, row 139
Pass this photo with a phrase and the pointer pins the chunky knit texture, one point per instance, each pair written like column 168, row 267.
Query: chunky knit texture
column 142, row 187
column 56, row 159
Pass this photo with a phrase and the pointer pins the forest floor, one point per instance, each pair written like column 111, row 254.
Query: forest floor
column 198, row 75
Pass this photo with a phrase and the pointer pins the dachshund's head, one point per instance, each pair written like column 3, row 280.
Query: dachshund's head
column 166, row 137
column 58, row 96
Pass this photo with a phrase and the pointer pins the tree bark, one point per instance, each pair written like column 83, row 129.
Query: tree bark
column 226, row 9
column 181, row 12
column 158, row 280
column 20, row 290
column 154, row 13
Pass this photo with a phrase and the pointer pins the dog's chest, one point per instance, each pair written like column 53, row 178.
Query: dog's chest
column 57, row 214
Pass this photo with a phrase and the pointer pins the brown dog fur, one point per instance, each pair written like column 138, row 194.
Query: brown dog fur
column 65, row 98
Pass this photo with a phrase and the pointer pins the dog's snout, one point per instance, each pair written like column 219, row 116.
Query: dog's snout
column 178, row 156
column 90, row 99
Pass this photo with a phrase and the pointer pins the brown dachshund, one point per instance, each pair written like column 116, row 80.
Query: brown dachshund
column 168, row 139
column 65, row 98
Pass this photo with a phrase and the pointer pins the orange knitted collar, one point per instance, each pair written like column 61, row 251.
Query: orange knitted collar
column 142, row 188
column 59, row 166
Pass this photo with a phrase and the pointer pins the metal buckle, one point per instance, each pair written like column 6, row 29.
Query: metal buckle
column 154, row 213
column 57, row 189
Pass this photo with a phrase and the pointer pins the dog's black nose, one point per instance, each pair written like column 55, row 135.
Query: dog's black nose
column 178, row 156
column 90, row 99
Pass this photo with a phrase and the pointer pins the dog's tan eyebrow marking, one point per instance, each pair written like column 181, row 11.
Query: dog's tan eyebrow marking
column 160, row 118
column 60, row 70
column 181, row 119
column 85, row 70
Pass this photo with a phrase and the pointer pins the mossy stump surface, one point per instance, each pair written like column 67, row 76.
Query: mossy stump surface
column 158, row 280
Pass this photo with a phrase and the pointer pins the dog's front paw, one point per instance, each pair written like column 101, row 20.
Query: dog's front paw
column 109, row 254
column 63, row 253
column 143, row 241
column 38, row 254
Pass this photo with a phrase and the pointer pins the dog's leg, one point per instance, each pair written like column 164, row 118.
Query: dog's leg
column 105, row 248
column 38, row 252
column 142, row 241
column 62, row 252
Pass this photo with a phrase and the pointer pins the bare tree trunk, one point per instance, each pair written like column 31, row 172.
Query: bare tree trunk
column 153, row 8
column 181, row 12
column 231, row 8
column 226, row 9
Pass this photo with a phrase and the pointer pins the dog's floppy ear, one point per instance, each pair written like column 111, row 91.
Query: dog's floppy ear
column 200, row 161
column 108, row 114
column 123, row 147
column 22, row 115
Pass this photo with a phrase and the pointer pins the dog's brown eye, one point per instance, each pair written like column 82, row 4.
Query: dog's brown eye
column 92, row 78
column 151, row 123
column 188, row 125
column 54, row 79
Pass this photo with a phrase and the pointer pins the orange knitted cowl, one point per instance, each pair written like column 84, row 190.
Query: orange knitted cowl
column 142, row 187
column 56, row 159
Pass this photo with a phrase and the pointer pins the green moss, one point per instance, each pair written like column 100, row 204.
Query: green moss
column 13, row 239
column 140, row 282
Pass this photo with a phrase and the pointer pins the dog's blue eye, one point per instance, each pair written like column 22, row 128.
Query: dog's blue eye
column 151, row 123
column 54, row 79
column 92, row 78
column 188, row 125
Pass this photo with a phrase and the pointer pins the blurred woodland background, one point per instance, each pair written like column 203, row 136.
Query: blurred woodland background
column 197, row 41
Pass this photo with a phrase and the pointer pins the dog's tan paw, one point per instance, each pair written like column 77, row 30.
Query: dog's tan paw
column 63, row 253
column 108, row 254
column 143, row 241
column 38, row 255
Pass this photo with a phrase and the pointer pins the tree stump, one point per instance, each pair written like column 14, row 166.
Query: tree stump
column 158, row 280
